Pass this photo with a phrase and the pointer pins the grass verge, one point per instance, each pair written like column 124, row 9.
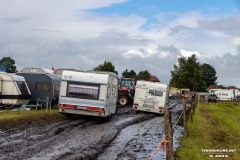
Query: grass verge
column 10, row 119
column 216, row 126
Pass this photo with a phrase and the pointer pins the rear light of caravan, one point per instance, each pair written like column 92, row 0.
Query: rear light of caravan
column 95, row 108
column 70, row 106
column 67, row 106
column 161, row 109
column 135, row 105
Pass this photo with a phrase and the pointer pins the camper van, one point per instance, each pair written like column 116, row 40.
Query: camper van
column 88, row 93
column 151, row 97
column 13, row 89
column 43, row 84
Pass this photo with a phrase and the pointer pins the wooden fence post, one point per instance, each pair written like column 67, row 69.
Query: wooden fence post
column 169, row 135
column 191, row 112
column 185, row 118
column 194, row 103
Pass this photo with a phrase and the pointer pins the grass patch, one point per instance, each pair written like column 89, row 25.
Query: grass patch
column 10, row 119
column 216, row 126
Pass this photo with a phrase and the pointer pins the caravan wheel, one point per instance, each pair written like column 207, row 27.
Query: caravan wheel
column 123, row 101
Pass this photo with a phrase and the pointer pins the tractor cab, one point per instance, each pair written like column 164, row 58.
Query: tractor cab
column 126, row 91
column 127, row 83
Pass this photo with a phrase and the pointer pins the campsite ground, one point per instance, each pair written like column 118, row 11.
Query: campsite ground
column 126, row 135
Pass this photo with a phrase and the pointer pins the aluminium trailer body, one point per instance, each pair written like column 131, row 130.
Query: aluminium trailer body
column 151, row 97
column 13, row 89
column 43, row 85
column 88, row 93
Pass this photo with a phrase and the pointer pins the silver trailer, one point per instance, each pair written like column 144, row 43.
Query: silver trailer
column 13, row 89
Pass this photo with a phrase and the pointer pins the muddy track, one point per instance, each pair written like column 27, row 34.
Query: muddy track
column 126, row 136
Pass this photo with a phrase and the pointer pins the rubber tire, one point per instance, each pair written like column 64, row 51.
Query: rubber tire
column 123, row 101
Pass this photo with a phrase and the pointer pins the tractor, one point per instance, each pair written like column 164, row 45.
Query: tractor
column 126, row 91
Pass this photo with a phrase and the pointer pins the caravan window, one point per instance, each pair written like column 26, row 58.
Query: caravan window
column 83, row 90
column 156, row 93
column 43, row 86
column 22, row 87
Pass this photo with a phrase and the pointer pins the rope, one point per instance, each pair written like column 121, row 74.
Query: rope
column 177, row 120
column 161, row 146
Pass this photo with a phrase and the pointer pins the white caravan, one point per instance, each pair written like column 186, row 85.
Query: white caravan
column 235, row 93
column 151, row 97
column 224, row 95
column 13, row 89
column 88, row 93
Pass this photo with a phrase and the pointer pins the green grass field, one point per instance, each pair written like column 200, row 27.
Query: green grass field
column 215, row 126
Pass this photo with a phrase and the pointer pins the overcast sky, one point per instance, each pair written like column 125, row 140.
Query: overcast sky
column 132, row 34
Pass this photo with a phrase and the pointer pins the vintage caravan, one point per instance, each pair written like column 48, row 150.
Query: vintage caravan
column 43, row 84
column 151, row 97
column 13, row 89
column 88, row 93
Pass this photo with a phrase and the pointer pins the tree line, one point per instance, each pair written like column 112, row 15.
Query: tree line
column 187, row 73
column 108, row 66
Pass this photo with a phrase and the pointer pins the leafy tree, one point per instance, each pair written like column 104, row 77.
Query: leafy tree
column 125, row 74
column 186, row 72
column 221, row 87
column 7, row 64
column 129, row 74
column 132, row 74
column 106, row 66
column 208, row 74
column 144, row 75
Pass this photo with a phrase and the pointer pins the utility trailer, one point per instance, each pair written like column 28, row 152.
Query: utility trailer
column 151, row 97
column 43, row 84
column 13, row 90
column 90, row 93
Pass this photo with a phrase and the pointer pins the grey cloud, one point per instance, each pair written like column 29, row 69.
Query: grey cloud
column 169, row 49
column 159, row 66
column 13, row 19
column 178, row 30
column 227, row 25
column 227, row 68
column 44, row 30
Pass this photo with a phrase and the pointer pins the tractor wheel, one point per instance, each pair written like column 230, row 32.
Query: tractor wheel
column 123, row 101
